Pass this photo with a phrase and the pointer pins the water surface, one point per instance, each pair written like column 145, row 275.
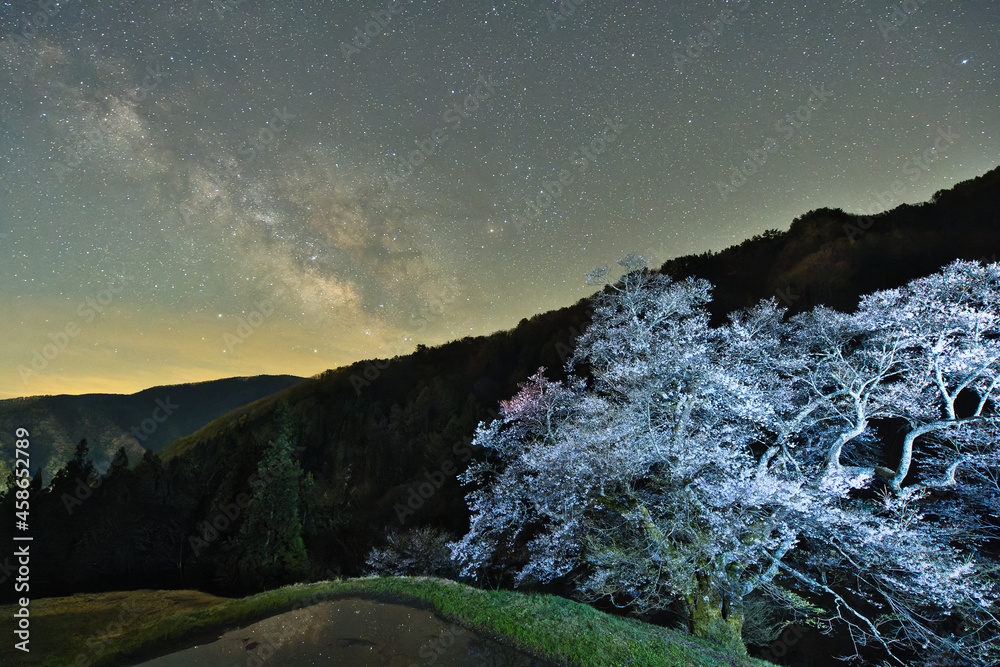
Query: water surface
column 354, row 632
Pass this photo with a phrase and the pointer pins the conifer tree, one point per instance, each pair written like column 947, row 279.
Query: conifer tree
column 270, row 537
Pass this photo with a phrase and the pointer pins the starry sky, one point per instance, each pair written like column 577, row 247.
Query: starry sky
column 204, row 188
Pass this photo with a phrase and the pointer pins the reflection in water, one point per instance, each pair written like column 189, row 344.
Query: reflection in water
column 354, row 632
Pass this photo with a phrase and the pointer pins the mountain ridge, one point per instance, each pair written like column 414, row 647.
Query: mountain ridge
column 382, row 441
column 145, row 420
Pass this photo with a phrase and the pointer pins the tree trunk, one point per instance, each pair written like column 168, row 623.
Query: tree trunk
column 716, row 616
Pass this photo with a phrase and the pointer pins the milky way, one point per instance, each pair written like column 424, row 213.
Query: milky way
column 201, row 189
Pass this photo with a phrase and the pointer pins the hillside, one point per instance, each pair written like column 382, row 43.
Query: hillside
column 437, row 620
column 830, row 257
column 148, row 419
column 382, row 441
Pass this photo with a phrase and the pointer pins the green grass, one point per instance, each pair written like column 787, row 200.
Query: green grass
column 89, row 624
column 547, row 626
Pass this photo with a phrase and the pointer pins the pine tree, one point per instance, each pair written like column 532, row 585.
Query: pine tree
column 71, row 483
column 270, row 538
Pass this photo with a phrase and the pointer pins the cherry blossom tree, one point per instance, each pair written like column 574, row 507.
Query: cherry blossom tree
column 687, row 465
column 949, row 326
column 646, row 480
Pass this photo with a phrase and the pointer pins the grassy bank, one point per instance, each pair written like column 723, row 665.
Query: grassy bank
column 113, row 628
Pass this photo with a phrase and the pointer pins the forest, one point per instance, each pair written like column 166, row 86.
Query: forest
column 773, row 427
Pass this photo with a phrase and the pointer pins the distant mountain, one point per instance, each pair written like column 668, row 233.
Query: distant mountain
column 381, row 441
column 149, row 419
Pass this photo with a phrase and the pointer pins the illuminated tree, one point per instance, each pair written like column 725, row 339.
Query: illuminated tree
column 699, row 465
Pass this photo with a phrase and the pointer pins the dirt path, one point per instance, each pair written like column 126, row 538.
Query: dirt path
column 354, row 633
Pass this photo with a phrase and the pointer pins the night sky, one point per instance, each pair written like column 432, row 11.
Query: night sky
column 200, row 189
